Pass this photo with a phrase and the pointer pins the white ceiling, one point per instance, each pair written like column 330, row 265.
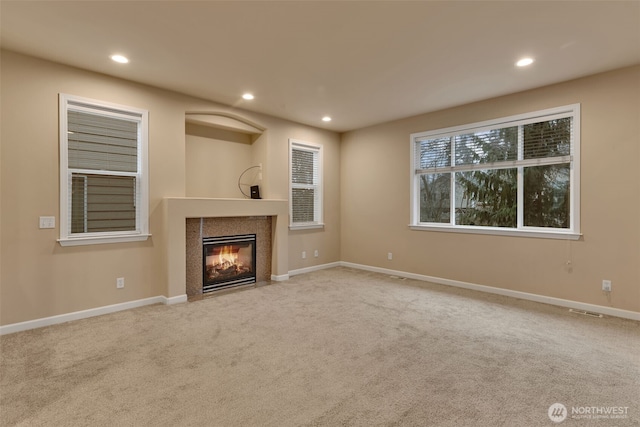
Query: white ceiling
column 361, row 62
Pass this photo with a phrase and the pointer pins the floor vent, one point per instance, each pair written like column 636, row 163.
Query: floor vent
column 586, row 313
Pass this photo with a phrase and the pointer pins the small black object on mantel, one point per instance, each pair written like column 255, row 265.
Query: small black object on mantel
column 255, row 192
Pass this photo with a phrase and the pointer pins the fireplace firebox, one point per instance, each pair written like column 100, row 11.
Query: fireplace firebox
column 228, row 261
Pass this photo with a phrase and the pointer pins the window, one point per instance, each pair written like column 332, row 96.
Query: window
column 517, row 175
column 103, row 172
column 305, row 207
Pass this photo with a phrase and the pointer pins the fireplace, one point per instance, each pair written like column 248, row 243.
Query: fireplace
column 228, row 261
column 203, row 228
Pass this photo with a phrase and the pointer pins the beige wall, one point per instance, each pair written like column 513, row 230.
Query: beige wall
column 327, row 241
column 375, row 201
column 38, row 277
column 215, row 159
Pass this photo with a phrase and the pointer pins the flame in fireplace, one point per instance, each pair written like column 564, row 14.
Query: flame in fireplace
column 227, row 256
column 228, row 262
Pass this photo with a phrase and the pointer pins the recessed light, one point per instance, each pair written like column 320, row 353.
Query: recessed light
column 524, row 62
column 248, row 96
column 326, row 119
column 119, row 58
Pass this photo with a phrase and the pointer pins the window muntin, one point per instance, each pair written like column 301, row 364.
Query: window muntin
column 103, row 172
column 305, row 206
column 517, row 174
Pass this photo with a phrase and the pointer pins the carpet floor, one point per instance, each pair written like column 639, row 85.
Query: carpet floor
column 336, row 347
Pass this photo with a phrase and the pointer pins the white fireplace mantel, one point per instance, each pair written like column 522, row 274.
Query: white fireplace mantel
column 177, row 209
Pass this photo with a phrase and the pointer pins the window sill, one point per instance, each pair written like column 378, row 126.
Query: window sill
column 306, row 227
column 537, row 233
column 97, row 240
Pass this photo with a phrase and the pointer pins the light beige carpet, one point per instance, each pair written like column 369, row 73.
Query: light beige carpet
column 329, row 348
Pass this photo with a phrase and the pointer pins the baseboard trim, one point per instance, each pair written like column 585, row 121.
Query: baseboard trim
column 279, row 278
column 314, row 268
column 174, row 300
column 84, row 314
column 609, row 311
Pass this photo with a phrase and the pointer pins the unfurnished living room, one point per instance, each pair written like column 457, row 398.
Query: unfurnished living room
column 319, row 213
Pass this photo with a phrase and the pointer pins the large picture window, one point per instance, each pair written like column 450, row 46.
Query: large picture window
column 103, row 172
column 517, row 175
column 305, row 197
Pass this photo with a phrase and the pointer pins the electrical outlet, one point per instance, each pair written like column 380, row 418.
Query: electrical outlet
column 120, row 282
column 304, row 254
column 315, row 253
column 389, row 256
column 606, row 285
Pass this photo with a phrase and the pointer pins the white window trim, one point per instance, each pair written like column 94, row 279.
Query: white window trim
column 142, row 182
column 319, row 224
column 572, row 233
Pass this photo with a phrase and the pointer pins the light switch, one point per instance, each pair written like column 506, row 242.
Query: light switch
column 47, row 222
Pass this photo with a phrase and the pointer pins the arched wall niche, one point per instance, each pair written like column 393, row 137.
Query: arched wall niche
column 219, row 147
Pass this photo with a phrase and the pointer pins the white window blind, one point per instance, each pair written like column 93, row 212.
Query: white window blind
column 103, row 172
column 539, row 142
column 306, row 184
column 102, row 143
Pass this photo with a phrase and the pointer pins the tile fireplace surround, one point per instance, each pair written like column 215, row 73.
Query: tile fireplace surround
column 200, row 228
column 177, row 210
